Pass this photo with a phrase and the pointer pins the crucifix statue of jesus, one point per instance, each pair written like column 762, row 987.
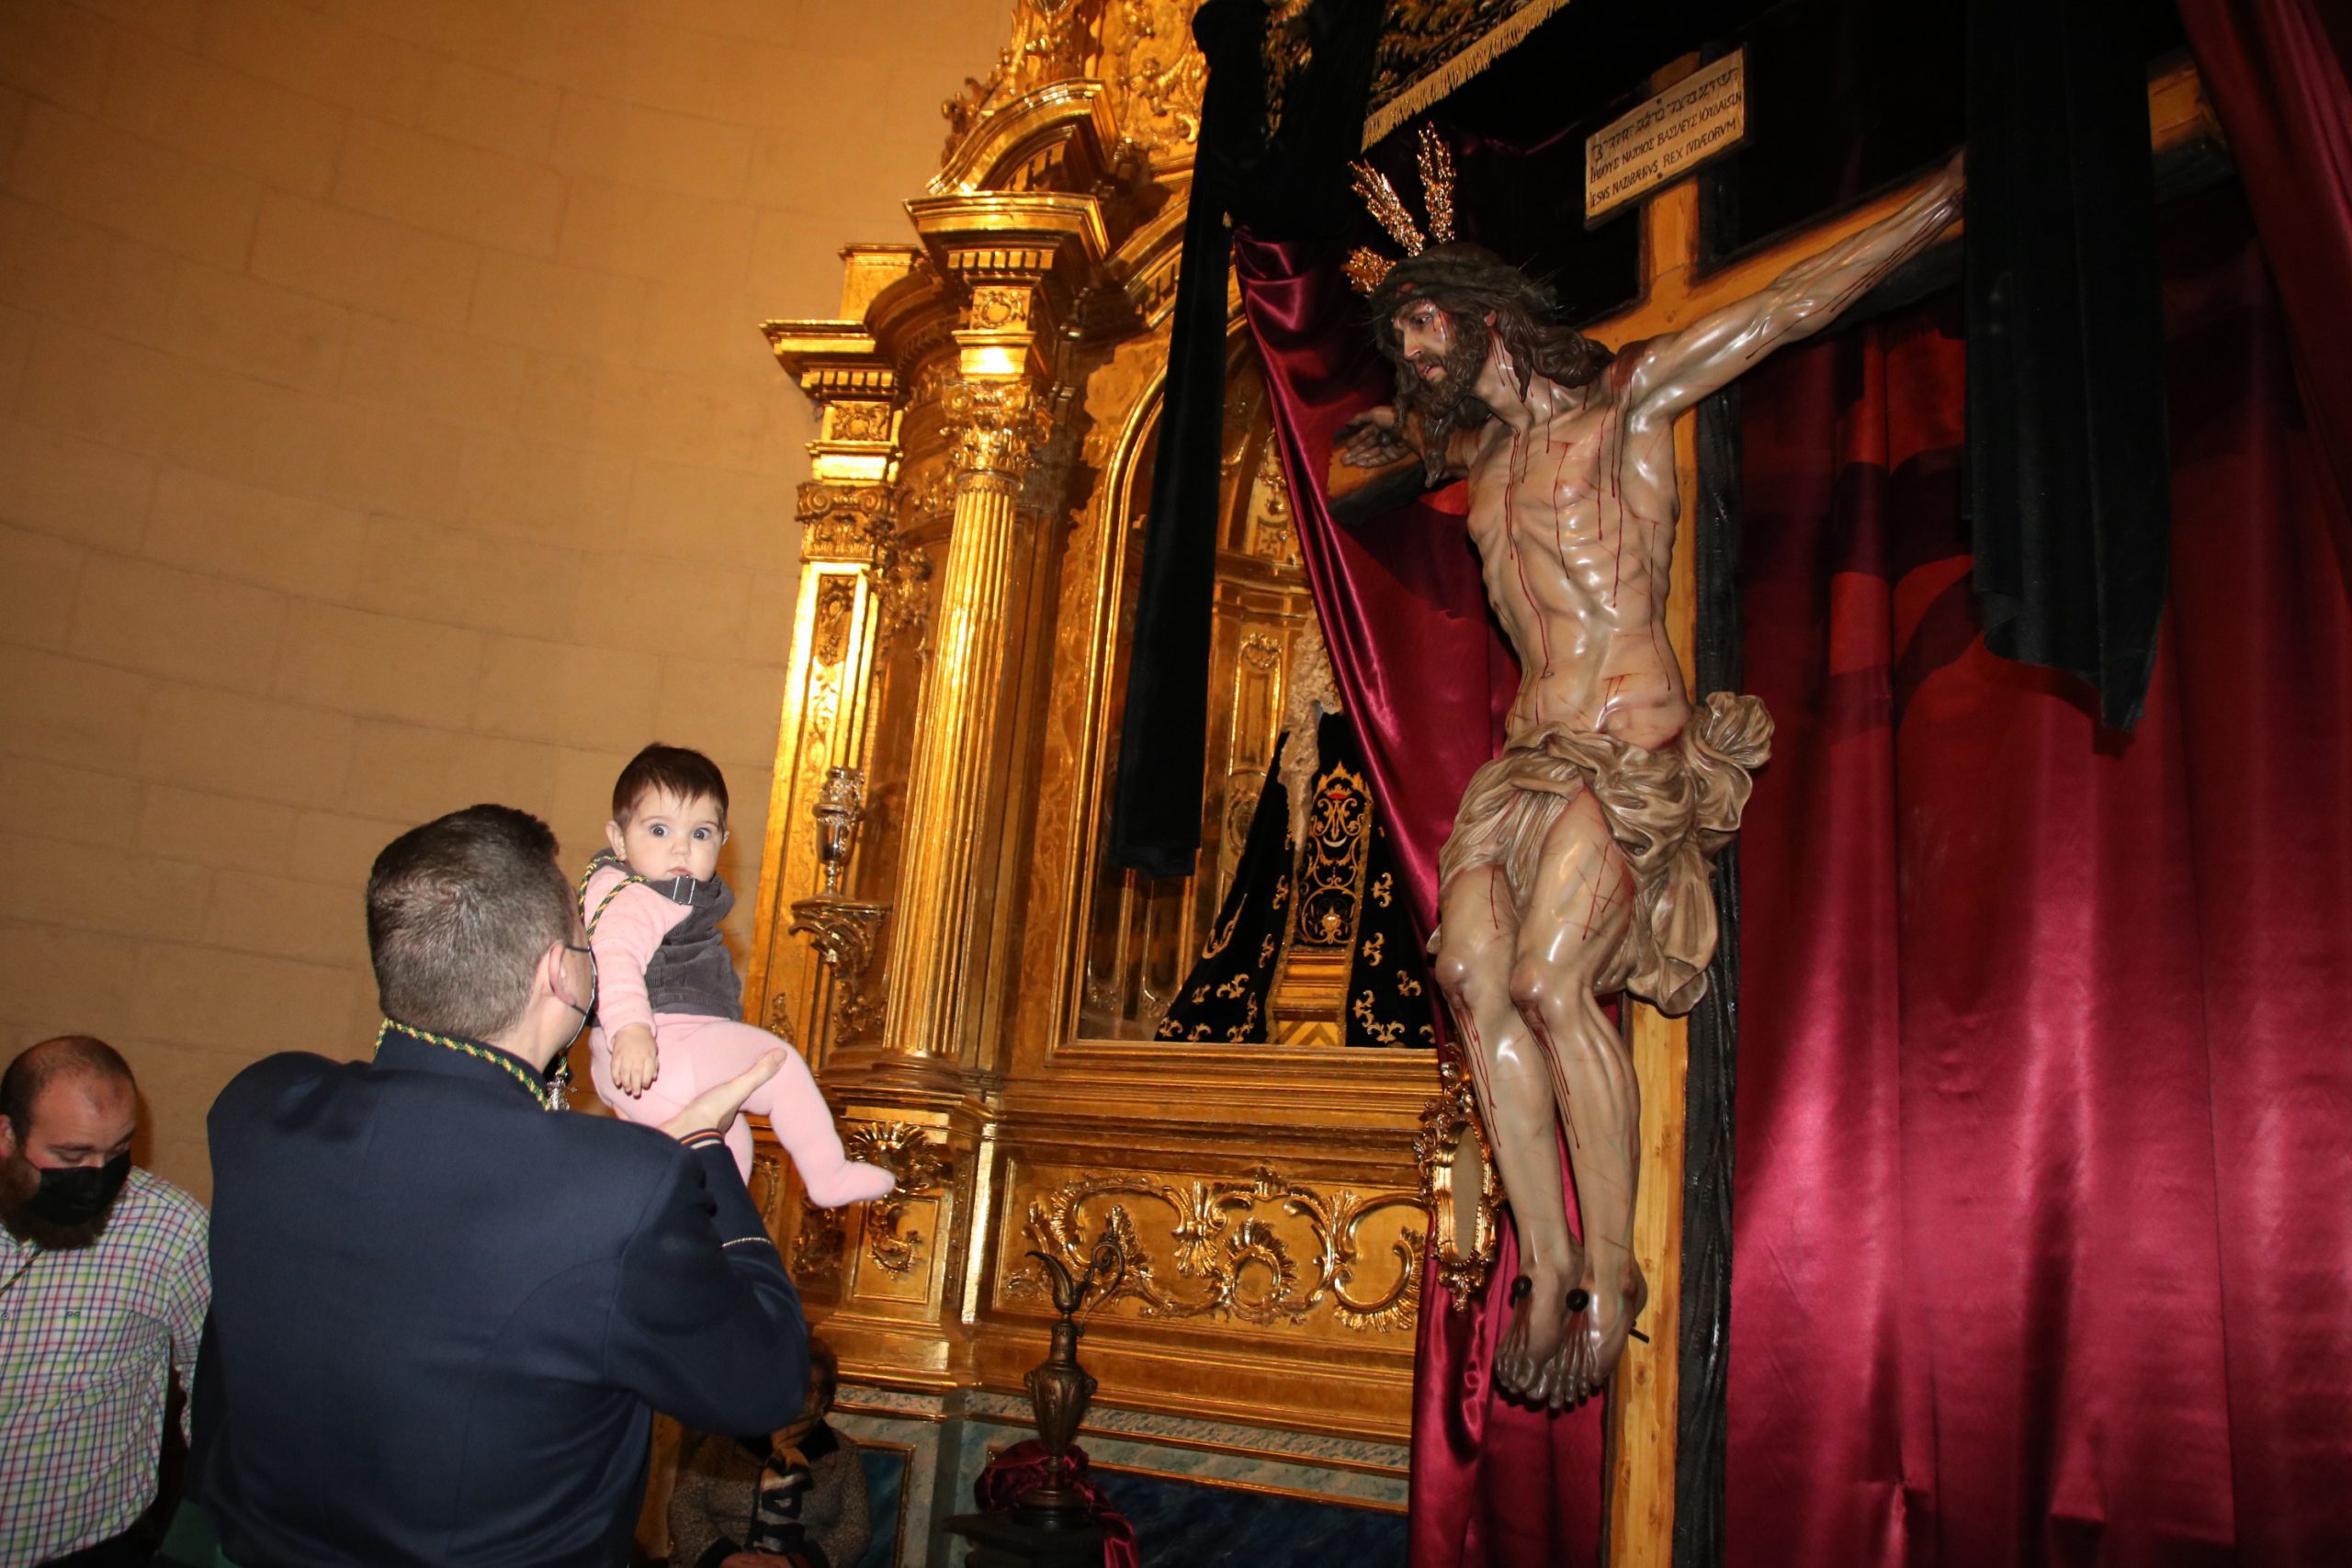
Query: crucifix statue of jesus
column 1578, row 867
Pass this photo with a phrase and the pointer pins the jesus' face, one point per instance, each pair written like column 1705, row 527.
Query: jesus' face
column 1445, row 354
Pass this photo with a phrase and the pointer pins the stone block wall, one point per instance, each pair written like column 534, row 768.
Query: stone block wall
column 383, row 428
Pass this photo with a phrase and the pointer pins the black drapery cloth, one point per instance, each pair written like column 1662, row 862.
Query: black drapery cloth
column 2067, row 457
column 1162, row 732
column 1225, row 993
column 1295, row 185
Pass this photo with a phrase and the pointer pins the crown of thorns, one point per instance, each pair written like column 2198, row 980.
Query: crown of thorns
column 1366, row 266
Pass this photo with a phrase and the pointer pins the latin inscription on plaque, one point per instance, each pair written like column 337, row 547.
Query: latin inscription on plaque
column 1699, row 118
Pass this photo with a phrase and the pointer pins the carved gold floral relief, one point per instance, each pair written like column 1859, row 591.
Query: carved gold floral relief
column 836, row 597
column 1268, row 1250
column 817, row 1244
column 859, row 422
column 1164, row 72
column 996, row 426
column 819, row 1248
column 923, row 1169
column 1460, row 1188
column 837, row 520
column 902, row 582
column 1001, row 308
column 845, row 933
column 1051, row 42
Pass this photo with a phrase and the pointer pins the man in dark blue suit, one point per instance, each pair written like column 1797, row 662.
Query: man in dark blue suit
column 442, row 1316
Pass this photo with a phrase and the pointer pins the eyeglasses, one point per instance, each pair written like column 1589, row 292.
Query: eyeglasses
column 590, row 954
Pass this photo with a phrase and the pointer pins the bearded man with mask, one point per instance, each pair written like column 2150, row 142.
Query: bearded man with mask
column 103, row 1289
column 445, row 1310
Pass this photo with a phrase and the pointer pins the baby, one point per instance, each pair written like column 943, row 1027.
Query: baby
column 668, row 1021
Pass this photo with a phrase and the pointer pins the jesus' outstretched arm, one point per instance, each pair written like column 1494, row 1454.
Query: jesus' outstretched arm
column 1672, row 372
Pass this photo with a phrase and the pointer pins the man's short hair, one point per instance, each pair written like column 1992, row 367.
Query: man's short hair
column 459, row 912
column 824, row 1369
column 37, row 1067
column 673, row 770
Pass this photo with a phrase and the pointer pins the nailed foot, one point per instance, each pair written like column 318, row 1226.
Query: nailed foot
column 1544, row 1350
column 1566, row 1379
column 1610, row 1322
column 1537, row 1331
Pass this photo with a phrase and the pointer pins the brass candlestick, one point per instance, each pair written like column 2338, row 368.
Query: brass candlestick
column 1059, row 1389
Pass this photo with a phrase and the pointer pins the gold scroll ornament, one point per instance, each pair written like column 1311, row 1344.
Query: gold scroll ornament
column 1224, row 1258
column 922, row 1167
column 1459, row 1186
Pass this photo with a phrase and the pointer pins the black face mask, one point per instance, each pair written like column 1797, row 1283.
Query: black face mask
column 77, row 1194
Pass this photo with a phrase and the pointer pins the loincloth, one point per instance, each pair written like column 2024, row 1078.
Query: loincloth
column 1668, row 810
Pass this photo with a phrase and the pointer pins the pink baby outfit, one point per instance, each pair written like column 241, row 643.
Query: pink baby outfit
column 629, row 922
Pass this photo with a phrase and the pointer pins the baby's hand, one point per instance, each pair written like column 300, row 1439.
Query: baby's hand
column 635, row 1063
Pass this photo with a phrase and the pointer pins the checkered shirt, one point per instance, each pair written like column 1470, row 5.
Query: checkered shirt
column 87, row 1340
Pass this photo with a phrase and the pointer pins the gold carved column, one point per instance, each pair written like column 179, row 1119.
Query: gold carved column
column 916, row 1106
column 975, row 325
column 858, row 585
column 945, row 953
column 1019, row 260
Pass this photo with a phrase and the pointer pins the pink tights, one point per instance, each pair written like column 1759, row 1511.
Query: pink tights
column 698, row 1052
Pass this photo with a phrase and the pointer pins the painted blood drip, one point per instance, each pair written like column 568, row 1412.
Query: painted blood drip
column 1476, row 1055
column 1615, row 492
column 1598, row 904
column 1559, row 511
column 1846, row 296
column 1552, row 1054
column 1511, row 541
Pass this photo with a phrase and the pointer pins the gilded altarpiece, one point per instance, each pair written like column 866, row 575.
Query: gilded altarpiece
column 976, row 989
column 979, row 990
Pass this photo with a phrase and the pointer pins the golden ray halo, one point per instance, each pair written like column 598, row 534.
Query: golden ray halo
column 1365, row 266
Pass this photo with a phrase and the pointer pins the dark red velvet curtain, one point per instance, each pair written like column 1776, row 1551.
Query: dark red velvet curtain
column 2043, row 1247
column 2277, row 72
